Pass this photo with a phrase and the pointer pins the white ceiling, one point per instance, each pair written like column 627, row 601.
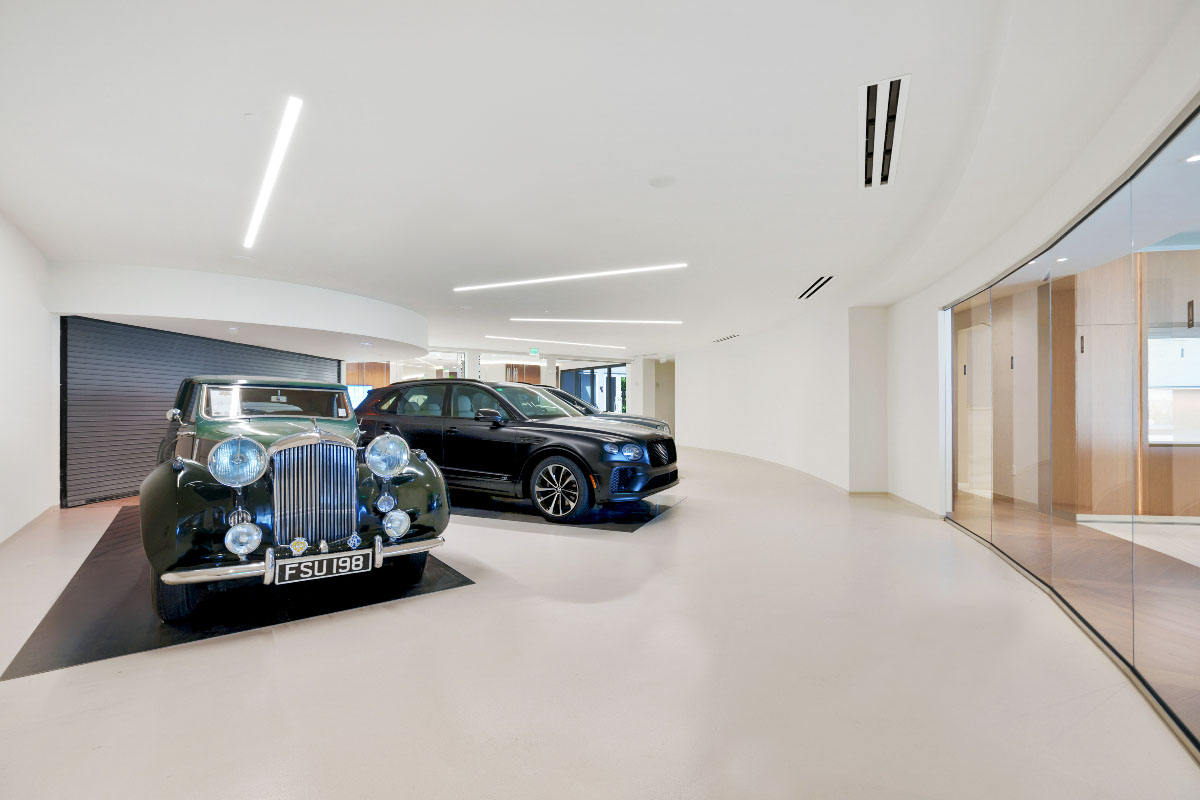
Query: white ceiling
column 444, row 144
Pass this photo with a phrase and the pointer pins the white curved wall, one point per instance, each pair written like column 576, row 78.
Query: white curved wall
column 1168, row 86
column 781, row 395
column 134, row 292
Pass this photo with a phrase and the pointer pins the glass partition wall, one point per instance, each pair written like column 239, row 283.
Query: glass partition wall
column 1076, row 421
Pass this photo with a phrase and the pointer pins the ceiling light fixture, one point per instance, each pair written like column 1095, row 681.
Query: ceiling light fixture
column 552, row 341
column 580, row 276
column 601, row 321
column 1193, row 159
column 286, row 127
column 1060, row 259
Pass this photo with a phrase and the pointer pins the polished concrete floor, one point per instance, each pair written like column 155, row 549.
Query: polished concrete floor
column 768, row 637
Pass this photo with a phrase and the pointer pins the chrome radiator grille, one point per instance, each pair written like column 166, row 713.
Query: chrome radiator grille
column 315, row 496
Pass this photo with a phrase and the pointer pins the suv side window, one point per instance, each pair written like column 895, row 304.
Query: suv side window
column 466, row 400
column 417, row 401
column 385, row 406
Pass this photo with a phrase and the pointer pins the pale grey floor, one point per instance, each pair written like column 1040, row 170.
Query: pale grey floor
column 769, row 637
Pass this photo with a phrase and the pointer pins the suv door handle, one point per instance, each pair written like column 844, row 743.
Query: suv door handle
column 451, row 430
column 387, row 426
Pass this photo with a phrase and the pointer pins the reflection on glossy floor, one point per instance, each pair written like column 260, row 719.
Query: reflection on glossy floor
column 1122, row 580
column 770, row 637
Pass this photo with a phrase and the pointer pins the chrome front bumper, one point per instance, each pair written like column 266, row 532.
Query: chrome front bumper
column 265, row 570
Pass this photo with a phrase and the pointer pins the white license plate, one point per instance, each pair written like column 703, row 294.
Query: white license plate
column 326, row 565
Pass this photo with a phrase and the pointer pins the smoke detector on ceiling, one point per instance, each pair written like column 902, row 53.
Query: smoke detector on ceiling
column 880, row 123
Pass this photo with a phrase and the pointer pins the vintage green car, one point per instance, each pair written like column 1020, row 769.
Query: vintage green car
column 262, row 480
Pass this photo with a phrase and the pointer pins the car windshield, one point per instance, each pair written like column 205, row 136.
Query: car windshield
column 535, row 403
column 229, row 402
column 582, row 406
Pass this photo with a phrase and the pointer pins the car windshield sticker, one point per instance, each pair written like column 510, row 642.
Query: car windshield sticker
column 220, row 402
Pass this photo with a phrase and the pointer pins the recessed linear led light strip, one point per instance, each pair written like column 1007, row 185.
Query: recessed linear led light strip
column 553, row 341
column 580, row 276
column 286, row 127
column 601, row 321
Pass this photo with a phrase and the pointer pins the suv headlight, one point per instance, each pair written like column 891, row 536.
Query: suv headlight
column 238, row 462
column 630, row 451
column 387, row 455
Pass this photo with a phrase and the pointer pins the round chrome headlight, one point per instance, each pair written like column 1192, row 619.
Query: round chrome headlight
column 632, row 452
column 238, row 461
column 243, row 538
column 385, row 503
column 387, row 455
column 396, row 524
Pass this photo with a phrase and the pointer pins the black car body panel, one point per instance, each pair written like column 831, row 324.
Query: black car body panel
column 587, row 409
column 498, row 457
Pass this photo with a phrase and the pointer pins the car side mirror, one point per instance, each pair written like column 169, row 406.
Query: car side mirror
column 489, row 415
column 174, row 415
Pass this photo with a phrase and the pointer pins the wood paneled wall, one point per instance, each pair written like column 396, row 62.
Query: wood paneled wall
column 368, row 373
column 1169, row 473
column 523, row 373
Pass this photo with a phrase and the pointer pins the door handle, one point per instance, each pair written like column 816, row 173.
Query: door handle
column 387, row 426
column 452, row 430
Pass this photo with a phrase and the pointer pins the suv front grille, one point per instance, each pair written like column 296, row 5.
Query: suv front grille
column 662, row 453
column 315, row 495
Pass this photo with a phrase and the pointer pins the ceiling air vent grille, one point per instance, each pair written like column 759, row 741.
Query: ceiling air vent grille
column 726, row 338
column 817, row 286
column 880, row 123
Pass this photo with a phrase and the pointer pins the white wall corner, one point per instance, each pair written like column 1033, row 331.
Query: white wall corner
column 867, row 360
column 29, row 330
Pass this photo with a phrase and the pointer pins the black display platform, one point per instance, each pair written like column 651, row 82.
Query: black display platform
column 105, row 610
column 625, row 517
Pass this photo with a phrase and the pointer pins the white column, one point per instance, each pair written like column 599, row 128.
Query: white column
column 639, row 386
column 548, row 371
column 472, row 364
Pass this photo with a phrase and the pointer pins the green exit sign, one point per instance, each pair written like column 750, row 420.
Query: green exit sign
column 533, row 351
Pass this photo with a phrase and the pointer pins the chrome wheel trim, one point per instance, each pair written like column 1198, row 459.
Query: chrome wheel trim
column 556, row 490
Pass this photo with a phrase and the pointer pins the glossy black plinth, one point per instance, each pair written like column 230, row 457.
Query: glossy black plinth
column 105, row 610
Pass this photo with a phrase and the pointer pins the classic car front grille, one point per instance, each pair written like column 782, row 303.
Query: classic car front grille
column 662, row 453
column 315, row 496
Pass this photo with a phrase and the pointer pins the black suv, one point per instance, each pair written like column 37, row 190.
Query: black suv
column 518, row 440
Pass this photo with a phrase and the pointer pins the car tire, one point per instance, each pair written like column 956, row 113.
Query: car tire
column 559, row 490
column 174, row 602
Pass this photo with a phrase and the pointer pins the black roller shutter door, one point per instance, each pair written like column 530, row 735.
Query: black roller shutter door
column 118, row 381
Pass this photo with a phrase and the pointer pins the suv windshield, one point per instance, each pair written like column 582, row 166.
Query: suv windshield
column 228, row 402
column 582, row 406
column 535, row 403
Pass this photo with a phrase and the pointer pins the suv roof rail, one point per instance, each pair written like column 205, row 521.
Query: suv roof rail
column 417, row 380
